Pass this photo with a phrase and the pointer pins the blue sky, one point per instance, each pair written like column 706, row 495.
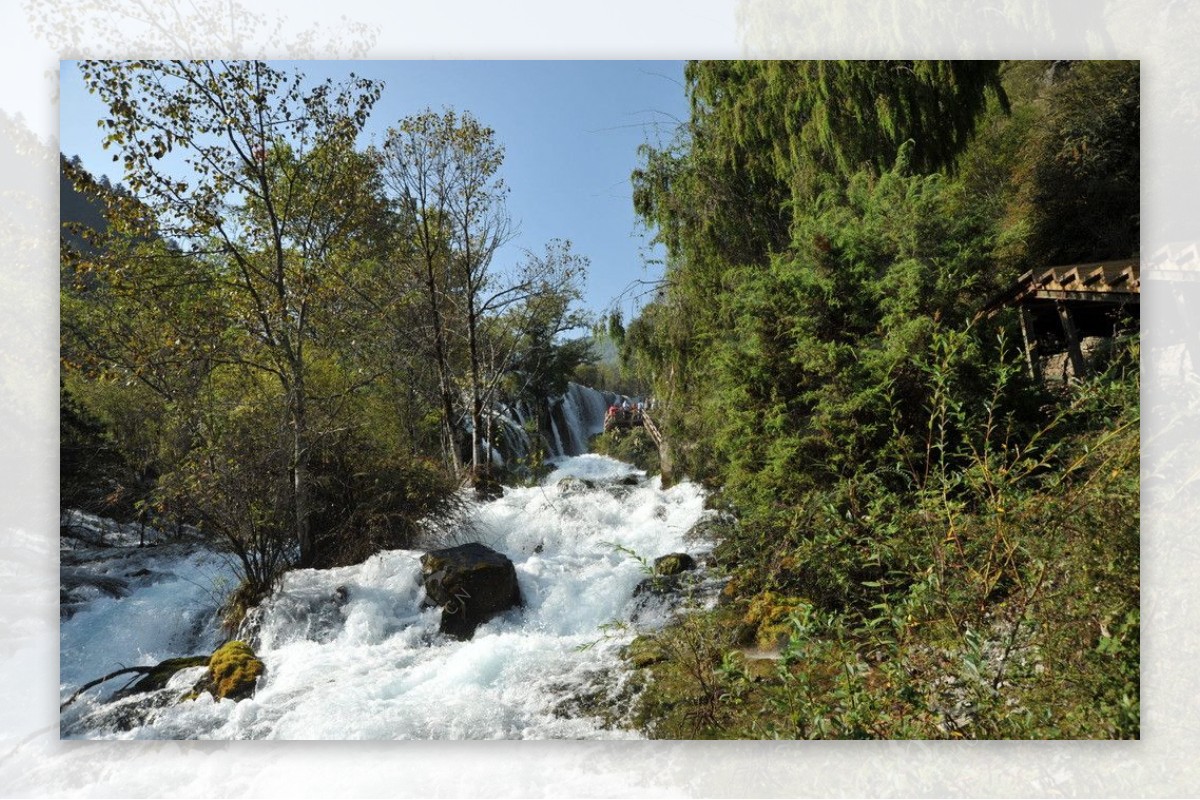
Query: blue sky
column 571, row 130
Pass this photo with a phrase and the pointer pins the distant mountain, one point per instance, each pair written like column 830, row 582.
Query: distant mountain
column 77, row 207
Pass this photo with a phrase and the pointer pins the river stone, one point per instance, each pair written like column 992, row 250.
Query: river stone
column 472, row 583
column 574, row 485
column 673, row 564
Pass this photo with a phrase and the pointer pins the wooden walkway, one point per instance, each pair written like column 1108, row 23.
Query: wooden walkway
column 628, row 419
column 1060, row 306
column 652, row 429
column 665, row 464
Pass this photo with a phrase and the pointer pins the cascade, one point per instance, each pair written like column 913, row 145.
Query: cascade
column 351, row 654
column 573, row 418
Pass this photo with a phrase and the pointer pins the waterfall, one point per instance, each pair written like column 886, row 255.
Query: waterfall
column 581, row 410
column 572, row 419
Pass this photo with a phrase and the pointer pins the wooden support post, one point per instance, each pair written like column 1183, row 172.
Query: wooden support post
column 1029, row 337
column 1078, row 366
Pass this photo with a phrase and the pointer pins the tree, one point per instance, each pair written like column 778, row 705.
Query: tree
column 768, row 146
column 442, row 170
column 544, row 310
column 1083, row 189
column 237, row 162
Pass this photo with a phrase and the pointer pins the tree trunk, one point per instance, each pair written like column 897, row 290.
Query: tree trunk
column 300, row 460
column 443, row 367
column 476, row 406
column 476, row 389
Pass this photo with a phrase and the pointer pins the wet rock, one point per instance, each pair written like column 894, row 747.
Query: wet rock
column 674, row 564
column 573, row 485
column 659, row 586
column 126, row 712
column 74, row 580
column 163, row 672
column 472, row 583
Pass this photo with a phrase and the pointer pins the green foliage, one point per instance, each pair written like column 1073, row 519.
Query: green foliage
column 234, row 481
column 687, row 698
column 941, row 546
column 94, row 475
column 842, row 115
column 1001, row 602
column 633, row 446
column 370, row 501
column 276, row 335
column 1084, row 187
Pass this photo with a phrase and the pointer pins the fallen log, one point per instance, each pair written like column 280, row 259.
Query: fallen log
column 154, row 676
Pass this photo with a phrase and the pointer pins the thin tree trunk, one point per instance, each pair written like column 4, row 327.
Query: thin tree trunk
column 476, row 393
column 300, row 472
column 439, row 349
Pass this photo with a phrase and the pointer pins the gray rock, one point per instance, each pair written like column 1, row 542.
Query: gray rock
column 472, row 583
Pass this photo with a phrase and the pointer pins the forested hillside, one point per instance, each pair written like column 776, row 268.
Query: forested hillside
column 923, row 540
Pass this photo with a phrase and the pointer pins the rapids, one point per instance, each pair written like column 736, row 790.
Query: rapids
column 350, row 654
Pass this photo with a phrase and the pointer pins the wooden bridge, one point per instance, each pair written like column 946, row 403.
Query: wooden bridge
column 665, row 465
column 628, row 418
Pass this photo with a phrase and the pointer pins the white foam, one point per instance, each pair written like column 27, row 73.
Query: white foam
column 351, row 655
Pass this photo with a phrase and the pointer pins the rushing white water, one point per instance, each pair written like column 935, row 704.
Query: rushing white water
column 123, row 605
column 350, row 654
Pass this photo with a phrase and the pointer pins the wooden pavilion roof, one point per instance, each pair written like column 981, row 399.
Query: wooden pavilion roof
column 1094, row 281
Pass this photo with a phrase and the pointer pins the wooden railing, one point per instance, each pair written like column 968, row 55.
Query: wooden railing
column 666, row 463
column 652, row 429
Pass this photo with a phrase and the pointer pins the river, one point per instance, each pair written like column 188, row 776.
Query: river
column 350, row 654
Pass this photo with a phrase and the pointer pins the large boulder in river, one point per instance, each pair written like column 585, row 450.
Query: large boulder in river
column 472, row 583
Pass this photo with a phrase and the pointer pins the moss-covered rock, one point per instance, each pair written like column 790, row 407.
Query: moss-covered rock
column 233, row 672
column 769, row 615
column 674, row 564
column 644, row 651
